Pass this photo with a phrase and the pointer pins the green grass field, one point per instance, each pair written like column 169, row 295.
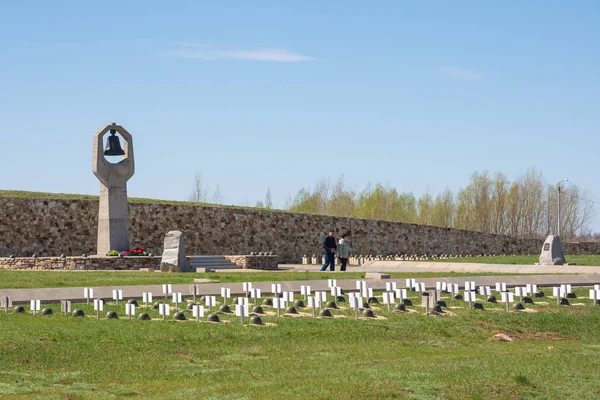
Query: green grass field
column 589, row 260
column 554, row 355
column 54, row 279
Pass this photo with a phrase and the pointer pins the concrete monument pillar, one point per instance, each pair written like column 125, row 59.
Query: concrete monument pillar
column 113, row 221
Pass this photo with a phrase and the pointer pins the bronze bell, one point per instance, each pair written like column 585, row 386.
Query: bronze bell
column 113, row 146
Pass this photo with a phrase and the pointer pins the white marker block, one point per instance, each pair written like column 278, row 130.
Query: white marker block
column 305, row 290
column 147, row 297
column 177, row 297
column 278, row 303
column 422, row 286
column 211, row 301
column 167, row 289
column 388, row 298
column 470, row 296
column 247, row 286
column 130, row 310
column 65, row 306
column 117, row 294
column 507, row 297
column 241, row 310
column 88, row 293
column 276, row 288
column 311, row 302
column 164, row 309
column 197, row 311
column 255, row 293
column 400, row 293
column 225, row 292
column 6, row 301
column 34, row 305
column 390, row 286
column 98, row 305
column 332, row 283
column 241, row 301
column 369, row 292
column 288, row 296
column 597, row 287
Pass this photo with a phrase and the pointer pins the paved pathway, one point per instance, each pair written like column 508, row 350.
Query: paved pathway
column 426, row 266
column 49, row 295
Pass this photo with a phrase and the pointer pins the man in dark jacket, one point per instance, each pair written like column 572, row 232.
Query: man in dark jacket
column 330, row 246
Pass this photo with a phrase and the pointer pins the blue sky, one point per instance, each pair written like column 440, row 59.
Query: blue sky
column 282, row 94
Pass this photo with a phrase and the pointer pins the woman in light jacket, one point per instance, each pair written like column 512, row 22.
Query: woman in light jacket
column 343, row 251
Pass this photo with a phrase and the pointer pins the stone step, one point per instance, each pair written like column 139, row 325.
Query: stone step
column 212, row 262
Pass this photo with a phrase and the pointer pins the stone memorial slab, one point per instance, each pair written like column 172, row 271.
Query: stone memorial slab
column 173, row 257
column 552, row 252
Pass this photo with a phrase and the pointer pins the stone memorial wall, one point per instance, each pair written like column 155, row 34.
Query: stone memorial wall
column 54, row 227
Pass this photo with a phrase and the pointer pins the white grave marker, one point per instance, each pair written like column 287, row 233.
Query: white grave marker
column 88, row 293
column 164, row 310
column 225, row 294
column 194, row 290
column 147, row 298
column 469, row 297
column 247, row 287
column 278, row 304
column 130, row 310
column 211, row 301
column 98, row 306
column 5, row 302
column 391, row 286
column 34, row 305
column 177, row 298
column 485, row 290
column 332, row 283
column 388, row 298
column 167, row 289
column 275, row 288
column 197, row 312
column 65, row 306
column 117, row 294
column 400, row 294
column 507, row 297
column 241, row 311
column 305, row 290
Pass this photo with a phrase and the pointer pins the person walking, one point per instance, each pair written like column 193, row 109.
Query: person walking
column 343, row 251
column 330, row 247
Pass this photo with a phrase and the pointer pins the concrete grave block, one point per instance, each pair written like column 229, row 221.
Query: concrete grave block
column 173, row 257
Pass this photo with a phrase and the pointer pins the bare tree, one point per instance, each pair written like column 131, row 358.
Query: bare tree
column 199, row 192
column 217, row 198
column 268, row 200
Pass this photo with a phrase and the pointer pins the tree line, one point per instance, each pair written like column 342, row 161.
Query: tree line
column 526, row 207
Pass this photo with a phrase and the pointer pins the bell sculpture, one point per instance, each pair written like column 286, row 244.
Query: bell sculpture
column 113, row 220
column 113, row 145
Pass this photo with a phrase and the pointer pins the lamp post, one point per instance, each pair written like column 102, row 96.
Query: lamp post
column 558, row 222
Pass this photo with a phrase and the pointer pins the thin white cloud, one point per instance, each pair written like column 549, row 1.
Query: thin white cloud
column 461, row 73
column 188, row 50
